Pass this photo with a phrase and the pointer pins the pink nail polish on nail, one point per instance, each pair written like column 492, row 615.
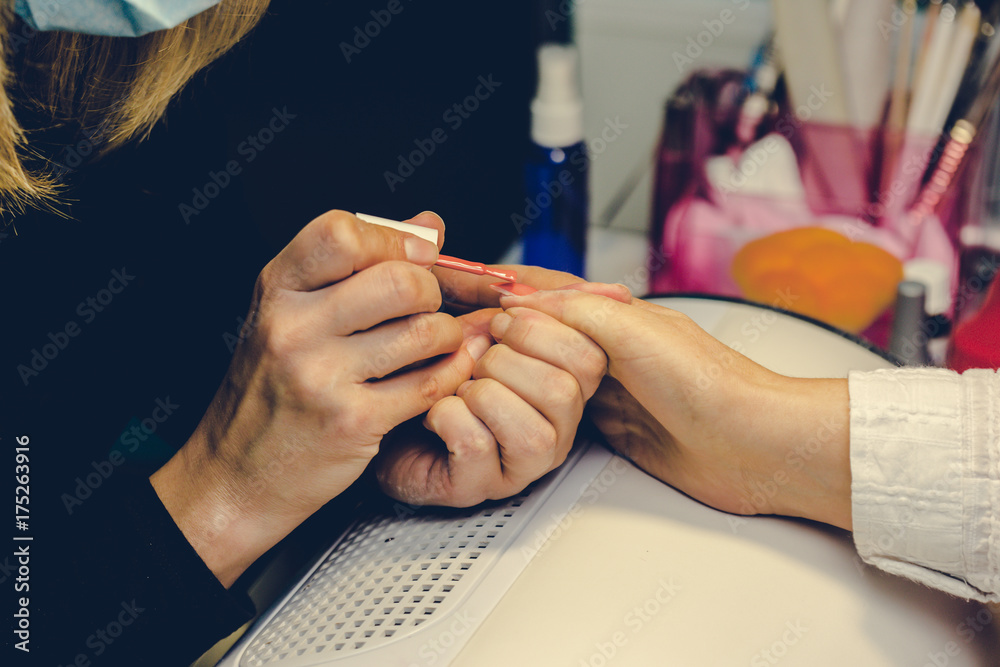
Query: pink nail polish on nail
column 513, row 289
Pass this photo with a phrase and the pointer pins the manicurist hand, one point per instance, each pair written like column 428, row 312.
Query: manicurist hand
column 707, row 420
column 514, row 421
column 314, row 387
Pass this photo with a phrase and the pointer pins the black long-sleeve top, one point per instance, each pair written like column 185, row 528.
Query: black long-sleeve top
column 118, row 323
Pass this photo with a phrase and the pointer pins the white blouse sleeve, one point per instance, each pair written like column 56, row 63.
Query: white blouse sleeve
column 925, row 467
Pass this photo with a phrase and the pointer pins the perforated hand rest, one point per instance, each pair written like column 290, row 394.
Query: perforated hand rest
column 397, row 581
column 386, row 578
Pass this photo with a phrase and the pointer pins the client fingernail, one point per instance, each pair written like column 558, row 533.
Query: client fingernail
column 478, row 346
column 420, row 251
column 513, row 289
column 498, row 327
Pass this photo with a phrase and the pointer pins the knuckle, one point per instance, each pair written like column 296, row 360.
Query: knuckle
column 479, row 394
column 403, row 282
column 484, row 398
column 441, row 410
column 522, row 328
column 280, row 339
column 267, row 283
column 473, row 445
column 422, row 330
column 352, row 423
column 493, row 358
column 339, row 233
column 431, row 390
column 306, row 387
column 541, row 441
column 593, row 365
column 563, row 390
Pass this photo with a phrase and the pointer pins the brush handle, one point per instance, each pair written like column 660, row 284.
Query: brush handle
column 951, row 160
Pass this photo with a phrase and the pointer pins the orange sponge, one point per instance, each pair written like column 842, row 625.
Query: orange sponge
column 819, row 273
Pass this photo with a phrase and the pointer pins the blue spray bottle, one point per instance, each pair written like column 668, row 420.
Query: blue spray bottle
column 554, row 224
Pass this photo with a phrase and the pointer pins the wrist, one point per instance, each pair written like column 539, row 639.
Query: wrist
column 226, row 532
column 807, row 471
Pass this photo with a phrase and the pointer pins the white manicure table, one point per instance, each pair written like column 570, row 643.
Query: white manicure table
column 600, row 564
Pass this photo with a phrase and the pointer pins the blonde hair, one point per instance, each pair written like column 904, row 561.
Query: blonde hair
column 113, row 89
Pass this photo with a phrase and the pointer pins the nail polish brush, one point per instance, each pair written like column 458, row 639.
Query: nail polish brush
column 445, row 261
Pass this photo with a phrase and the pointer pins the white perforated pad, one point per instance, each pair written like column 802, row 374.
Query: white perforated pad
column 394, row 580
column 387, row 577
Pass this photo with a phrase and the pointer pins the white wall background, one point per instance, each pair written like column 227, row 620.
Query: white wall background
column 627, row 50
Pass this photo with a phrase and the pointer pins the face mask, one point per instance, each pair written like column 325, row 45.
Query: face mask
column 113, row 18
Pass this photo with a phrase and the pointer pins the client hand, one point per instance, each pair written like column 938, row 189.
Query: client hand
column 515, row 420
column 707, row 420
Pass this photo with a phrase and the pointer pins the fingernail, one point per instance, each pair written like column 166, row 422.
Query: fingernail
column 498, row 327
column 513, row 289
column 462, row 388
column 420, row 251
column 478, row 346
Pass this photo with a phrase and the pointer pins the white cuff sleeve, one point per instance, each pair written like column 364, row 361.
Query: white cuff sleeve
column 925, row 468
